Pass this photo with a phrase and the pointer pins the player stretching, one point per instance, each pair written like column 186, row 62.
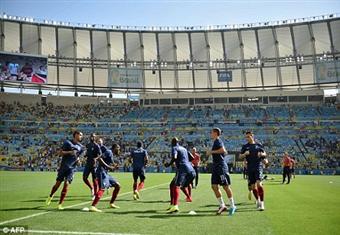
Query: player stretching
column 184, row 175
column 105, row 180
column 255, row 157
column 220, row 174
column 92, row 153
column 139, row 159
column 70, row 152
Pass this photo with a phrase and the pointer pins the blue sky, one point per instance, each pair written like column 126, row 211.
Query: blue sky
column 168, row 12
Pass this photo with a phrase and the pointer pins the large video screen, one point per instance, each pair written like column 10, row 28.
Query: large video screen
column 23, row 68
column 122, row 77
column 225, row 76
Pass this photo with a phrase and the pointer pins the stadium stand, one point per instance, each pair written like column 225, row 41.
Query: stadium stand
column 30, row 135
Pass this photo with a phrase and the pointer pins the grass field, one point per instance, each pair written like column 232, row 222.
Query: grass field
column 310, row 205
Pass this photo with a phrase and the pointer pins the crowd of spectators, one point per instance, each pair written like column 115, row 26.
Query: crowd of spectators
column 30, row 136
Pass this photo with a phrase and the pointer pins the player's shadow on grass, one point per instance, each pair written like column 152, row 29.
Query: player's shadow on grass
column 25, row 208
column 211, row 205
column 246, row 210
column 273, row 183
column 168, row 216
column 43, row 200
column 236, row 204
column 88, row 196
column 154, row 201
column 133, row 212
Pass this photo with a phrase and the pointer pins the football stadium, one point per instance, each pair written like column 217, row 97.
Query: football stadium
column 212, row 129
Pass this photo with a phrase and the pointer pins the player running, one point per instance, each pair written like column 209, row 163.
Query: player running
column 184, row 175
column 70, row 153
column 139, row 158
column 220, row 174
column 92, row 153
column 255, row 155
column 105, row 180
column 245, row 176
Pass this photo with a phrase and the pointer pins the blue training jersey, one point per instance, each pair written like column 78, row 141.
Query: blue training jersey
column 218, row 159
column 107, row 157
column 93, row 151
column 70, row 160
column 138, row 158
column 182, row 158
column 253, row 161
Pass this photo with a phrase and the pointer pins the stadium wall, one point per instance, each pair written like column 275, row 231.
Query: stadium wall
column 29, row 99
column 172, row 98
column 274, row 97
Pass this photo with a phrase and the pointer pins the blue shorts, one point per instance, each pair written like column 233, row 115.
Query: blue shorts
column 65, row 174
column 183, row 178
column 138, row 173
column 89, row 169
column 220, row 176
column 105, row 180
column 254, row 175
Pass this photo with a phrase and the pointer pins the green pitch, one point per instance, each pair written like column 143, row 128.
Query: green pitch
column 309, row 205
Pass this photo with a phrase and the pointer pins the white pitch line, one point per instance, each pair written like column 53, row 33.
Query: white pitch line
column 22, row 218
column 79, row 204
column 75, row 232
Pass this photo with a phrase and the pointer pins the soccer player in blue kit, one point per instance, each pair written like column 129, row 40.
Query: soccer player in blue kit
column 139, row 159
column 70, row 153
column 105, row 180
column 220, row 174
column 184, row 175
column 92, row 153
column 255, row 156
